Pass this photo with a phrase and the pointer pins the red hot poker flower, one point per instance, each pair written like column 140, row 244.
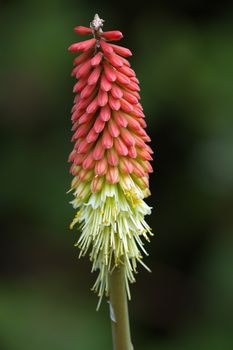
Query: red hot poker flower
column 110, row 159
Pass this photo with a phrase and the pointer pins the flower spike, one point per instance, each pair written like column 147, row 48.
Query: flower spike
column 110, row 159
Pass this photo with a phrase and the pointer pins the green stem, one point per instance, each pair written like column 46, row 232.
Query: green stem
column 119, row 311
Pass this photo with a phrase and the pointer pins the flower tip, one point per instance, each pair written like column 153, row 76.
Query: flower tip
column 97, row 23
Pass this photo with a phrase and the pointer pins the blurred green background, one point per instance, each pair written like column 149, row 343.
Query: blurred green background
column 183, row 56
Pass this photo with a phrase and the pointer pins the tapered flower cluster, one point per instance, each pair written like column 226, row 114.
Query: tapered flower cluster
column 110, row 159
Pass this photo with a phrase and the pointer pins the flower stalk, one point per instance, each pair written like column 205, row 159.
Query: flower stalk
column 119, row 311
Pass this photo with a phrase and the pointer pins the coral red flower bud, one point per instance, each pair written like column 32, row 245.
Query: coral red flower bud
column 109, row 72
column 123, row 60
column 125, row 166
column 82, row 30
column 127, row 137
column 132, row 86
column 80, row 132
column 148, row 148
column 126, row 106
column 112, row 157
column 142, row 123
column 127, row 71
column 99, row 150
column 92, row 136
column 102, row 98
column 112, row 175
column 83, row 147
column 133, row 123
column 89, row 162
column 120, row 119
column 135, row 80
column 120, row 147
column 107, row 140
column 122, row 51
column 129, row 97
column 113, row 35
column 87, row 91
column 147, row 166
column 101, row 167
column 105, row 47
column 79, row 85
column 79, row 158
column 83, row 46
column 94, row 76
column 93, row 106
column 85, row 175
column 105, row 113
column 85, row 118
column 122, row 79
column 137, row 113
column 84, row 69
column 114, row 60
column 84, row 103
column 114, row 104
column 137, row 168
column 72, row 156
column 105, row 84
column 95, row 61
column 113, row 129
column 97, row 184
column 83, row 57
column 99, row 125
column 116, row 91
column 132, row 152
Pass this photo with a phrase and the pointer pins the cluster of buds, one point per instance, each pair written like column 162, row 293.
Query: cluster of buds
column 110, row 159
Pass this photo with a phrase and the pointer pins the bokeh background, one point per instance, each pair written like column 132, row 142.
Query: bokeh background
column 183, row 56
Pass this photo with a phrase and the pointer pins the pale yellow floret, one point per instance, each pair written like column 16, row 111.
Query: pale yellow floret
column 132, row 195
column 112, row 227
column 76, row 219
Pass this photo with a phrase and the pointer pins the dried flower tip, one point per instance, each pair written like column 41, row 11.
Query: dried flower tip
column 97, row 23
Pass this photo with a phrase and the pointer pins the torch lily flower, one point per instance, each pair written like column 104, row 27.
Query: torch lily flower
column 111, row 158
